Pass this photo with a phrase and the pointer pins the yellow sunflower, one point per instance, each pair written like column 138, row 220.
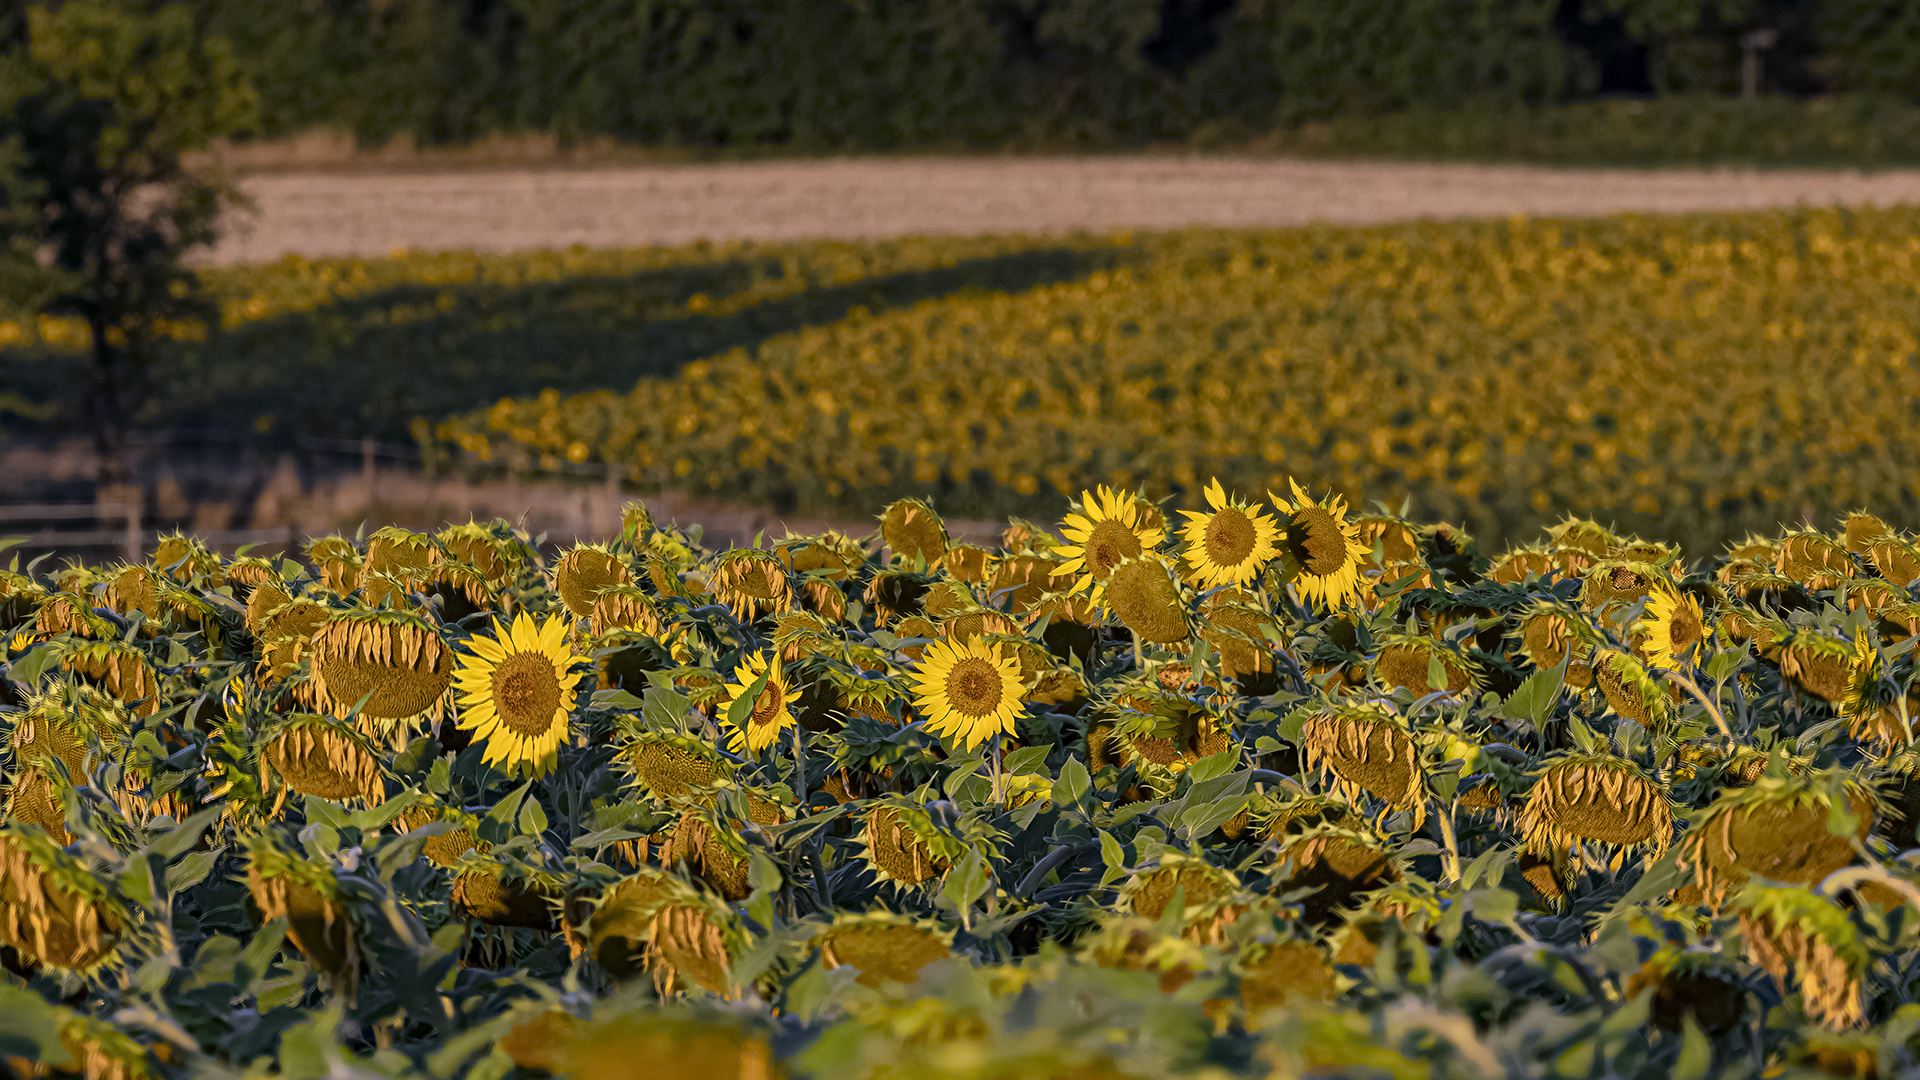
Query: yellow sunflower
column 1320, row 550
column 968, row 690
column 1674, row 628
column 772, row 711
column 516, row 690
column 1230, row 544
column 1109, row 528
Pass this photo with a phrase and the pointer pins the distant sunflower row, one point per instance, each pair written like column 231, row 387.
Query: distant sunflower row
column 1231, row 789
column 1685, row 375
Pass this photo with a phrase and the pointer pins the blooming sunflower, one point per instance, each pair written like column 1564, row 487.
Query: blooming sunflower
column 1319, row 549
column 968, row 690
column 1674, row 627
column 516, row 690
column 1108, row 528
column 772, row 711
column 1230, row 544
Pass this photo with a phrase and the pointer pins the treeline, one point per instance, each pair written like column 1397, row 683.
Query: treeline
column 875, row 74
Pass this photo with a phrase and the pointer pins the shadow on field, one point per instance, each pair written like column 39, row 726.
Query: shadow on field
column 368, row 365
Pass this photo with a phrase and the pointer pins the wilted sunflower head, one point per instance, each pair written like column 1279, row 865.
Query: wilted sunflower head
column 1107, row 528
column 1861, row 529
column 1144, row 595
column 53, row 907
column 670, row 767
column 583, row 572
column 1548, row 629
column 1794, row 830
column 1817, row 663
column 1320, row 550
column 394, row 665
column 1230, row 543
column 1583, row 535
column 337, row 561
column 1807, row 942
column 1632, row 690
column 751, row 582
column 320, row 756
column 1413, row 661
column 970, row 563
column 913, row 532
column 883, row 946
column 120, row 669
column 904, row 847
column 1211, row 899
column 1596, row 797
column 1367, row 749
column 1814, row 559
column 491, row 550
column 1613, row 583
column 1894, row 558
column 1236, row 630
column 1522, row 564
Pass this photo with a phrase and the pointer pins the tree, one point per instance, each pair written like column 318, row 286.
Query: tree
column 104, row 104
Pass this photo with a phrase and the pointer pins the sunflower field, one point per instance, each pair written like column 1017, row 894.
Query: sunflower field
column 1691, row 377
column 1269, row 788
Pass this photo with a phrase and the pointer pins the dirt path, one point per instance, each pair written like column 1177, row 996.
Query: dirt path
column 374, row 213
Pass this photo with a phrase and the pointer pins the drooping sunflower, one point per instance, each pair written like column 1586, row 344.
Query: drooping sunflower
column 772, row 711
column 1144, row 596
column 1320, row 550
column 1673, row 629
column 516, row 691
column 969, row 690
column 1108, row 528
column 1230, row 544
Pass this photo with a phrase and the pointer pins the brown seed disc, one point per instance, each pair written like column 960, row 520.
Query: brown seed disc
column 896, row 850
column 1144, row 597
column 498, row 902
column 318, row 927
column 1315, row 541
column 881, row 951
column 1283, row 973
column 580, row 575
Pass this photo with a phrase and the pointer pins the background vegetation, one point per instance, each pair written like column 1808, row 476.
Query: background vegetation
column 747, row 76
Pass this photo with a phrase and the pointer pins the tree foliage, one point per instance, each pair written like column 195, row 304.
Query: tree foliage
column 102, row 104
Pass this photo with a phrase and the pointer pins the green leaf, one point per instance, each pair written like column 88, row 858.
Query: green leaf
column 31, row 664
column 1216, row 765
column 965, row 883
column 533, row 818
column 740, row 713
column 763, row 877
column 192, row 870
column 1073, row 784
column 1436, row 673
column 30, row 1028
column 1722, row 665
column 1534, row 698
column 1027, row 760
column 1696, row 1051
column 1114, row 856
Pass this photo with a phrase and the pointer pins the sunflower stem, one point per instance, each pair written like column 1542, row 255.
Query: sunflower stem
column 799, row 765
column 1136, row 650
column 1444, row 818
column 999, row 783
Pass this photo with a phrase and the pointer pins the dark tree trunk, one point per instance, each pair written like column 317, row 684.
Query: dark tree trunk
column 106, row 409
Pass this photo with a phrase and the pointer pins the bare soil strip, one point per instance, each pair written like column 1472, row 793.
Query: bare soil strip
column 348, row 213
